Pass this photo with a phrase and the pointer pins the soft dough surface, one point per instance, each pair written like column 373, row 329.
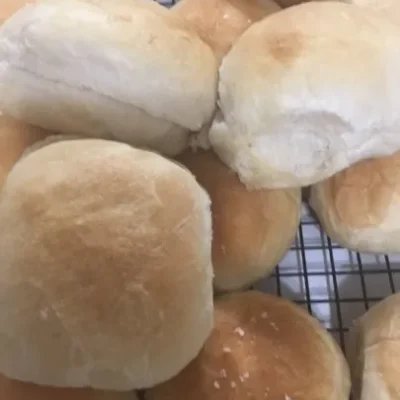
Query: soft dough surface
column 122, row 69
column 307, row 92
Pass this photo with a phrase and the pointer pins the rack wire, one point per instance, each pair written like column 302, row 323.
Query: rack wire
column 334, row 284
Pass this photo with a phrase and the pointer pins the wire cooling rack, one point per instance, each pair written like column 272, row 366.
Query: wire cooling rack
column 334, row 284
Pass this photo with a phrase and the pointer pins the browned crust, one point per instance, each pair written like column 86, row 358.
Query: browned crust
column 359, row 196
column 15, row 138
column 108, row 247
column 252, row 230
column 262, row 347
column 375, row 351
column 220, row 22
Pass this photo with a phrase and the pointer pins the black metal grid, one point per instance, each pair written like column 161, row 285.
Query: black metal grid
column 334, row 284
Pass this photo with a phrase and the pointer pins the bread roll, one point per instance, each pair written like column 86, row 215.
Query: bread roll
column 105, row 266
column 15, row 138
column 374, row 352
column 220, row 22
column 123, row 69
column 306, row 92
column 262, row 347
column 16, row 390
column 252, row 230
column 359, row 207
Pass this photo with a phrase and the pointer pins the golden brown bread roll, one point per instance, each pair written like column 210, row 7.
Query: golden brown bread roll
column 15, row 138
column 252, row 230
column 105, row 266
column 358, row 207
column 262, row 347
column 16, row 390
column 374, row 352
column 220, row 22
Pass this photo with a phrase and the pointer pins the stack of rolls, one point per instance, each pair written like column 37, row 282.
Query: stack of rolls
column 153, row 160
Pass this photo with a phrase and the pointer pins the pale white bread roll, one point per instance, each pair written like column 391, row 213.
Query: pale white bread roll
column 105, row 267
column 220, row 22
column 15, row 138
column 374, row 352
column 262, row 347
column 124, row 69
column 306, row 92
column 359, row 207
column 252, row 230
column 16, row 390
